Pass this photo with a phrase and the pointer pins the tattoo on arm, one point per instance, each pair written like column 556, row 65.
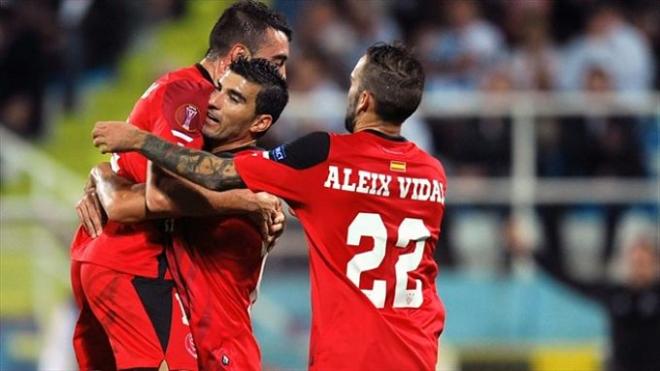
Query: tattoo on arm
column 199, row 167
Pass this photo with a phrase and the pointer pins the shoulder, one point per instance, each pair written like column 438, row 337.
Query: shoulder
column 304, row 152
column 185, row 79
column 186, row 73
column 431, row 161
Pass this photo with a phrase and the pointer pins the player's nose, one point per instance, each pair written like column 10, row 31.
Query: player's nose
column 215, row 100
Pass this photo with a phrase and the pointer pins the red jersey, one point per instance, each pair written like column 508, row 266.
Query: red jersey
column 371, row 208
column 173, row 108
column 217, row 263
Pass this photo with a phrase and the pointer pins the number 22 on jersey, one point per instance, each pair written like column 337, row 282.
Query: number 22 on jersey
column 410, row 229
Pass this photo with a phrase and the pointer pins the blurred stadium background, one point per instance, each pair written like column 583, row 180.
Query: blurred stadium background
column 545, row 113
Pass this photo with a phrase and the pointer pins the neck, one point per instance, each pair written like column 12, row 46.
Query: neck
column 215, row 67
column 372, row 122
column 226, row 147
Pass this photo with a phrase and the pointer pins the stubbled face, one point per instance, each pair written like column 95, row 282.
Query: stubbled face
column 275, row 48
column 231, row 110
column 643, row 265
column 353, row 95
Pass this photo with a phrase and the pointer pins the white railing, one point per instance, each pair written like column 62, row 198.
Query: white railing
column 38, row 220
column 523, row 188
column 49, row 179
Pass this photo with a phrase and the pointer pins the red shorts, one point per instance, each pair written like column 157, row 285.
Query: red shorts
column 91, row 344
column 141, row 320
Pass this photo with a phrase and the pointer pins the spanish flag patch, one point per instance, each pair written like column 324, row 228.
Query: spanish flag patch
column 398, row 166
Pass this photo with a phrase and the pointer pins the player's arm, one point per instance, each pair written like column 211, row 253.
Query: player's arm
column 122, row 200
column 90, row 212
column 200, row 167
column 169, row 192
column 209, row 170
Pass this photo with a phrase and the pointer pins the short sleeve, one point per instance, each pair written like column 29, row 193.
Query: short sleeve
column 182, row 112
column 174, row 111
column 141, row 115
column 285, row 170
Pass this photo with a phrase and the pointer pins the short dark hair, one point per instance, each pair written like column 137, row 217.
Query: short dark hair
column 245, row 22
column 274, row 94
column 395, row 78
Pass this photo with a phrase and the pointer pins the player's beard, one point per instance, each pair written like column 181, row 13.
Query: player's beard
column 349, row 119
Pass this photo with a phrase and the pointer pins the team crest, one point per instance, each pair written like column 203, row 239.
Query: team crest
column 185, row 117
column 190, row 345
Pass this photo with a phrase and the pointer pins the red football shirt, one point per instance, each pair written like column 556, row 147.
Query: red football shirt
column 173, row 108
column 371, row 207
column 217, row 263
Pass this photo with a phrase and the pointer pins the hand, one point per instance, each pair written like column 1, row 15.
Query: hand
column 265, row 212
column 90, row 212
column 117, row 136
column 276, row 228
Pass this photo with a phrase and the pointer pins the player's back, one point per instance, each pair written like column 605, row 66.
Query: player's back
column 371, row 207
column 373, row 270
column 174, row 108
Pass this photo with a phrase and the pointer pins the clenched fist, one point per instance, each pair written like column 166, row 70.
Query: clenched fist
column 117, row 136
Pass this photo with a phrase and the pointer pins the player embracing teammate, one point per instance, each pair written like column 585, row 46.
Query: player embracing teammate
column 131, row 315
column 371, row 204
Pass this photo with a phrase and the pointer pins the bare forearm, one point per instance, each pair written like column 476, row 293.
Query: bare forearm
column 122, row 200
column 200, row 167
column 166, row 191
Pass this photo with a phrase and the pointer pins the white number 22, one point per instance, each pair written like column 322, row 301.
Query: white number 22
column 410, row 229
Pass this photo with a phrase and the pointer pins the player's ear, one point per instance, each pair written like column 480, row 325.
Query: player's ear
column 365, row 102
column 239, row 51
column 261, row 124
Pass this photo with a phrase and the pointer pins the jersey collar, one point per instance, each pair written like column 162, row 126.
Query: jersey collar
column 396, row 138
column 232, row 152
column 204, row 73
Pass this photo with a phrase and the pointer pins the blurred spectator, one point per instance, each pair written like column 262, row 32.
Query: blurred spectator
column 612, row 43
column 343, row 39
column 601, row 145
column 535, row 62
column 591, row 145
column 58, row 43
column 568, row 18
column 457, row 56
column 477, row 146
column 371, row 23
column 606, row 146
column 28, row 53
column 309, row 79
column 646, row 17
column 322, row 31
column 632, row 307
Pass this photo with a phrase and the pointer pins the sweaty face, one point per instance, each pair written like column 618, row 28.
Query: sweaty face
column 354, row 95
column 275, row 48
column 231, row 109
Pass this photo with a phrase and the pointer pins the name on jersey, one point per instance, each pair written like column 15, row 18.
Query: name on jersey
column 366, row 182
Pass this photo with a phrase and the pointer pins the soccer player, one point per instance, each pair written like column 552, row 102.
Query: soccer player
column 217, row 261
column 371, row 204
column 120, row 278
